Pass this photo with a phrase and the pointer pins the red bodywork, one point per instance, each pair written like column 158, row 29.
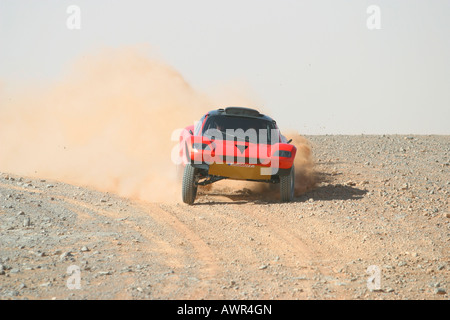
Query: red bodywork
column 235, row 153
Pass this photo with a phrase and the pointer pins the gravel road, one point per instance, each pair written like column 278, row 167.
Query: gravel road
column 375, row 226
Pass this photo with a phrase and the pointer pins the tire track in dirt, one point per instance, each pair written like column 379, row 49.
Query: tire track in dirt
column 234, row 240
column 323, row 258
column 268, row 261
column 289, row 239
column 293, row 252
column 88, row 212
column 22, row 189
column 165, row 226
column 303, row 259
column 248, row 247
column 171, row 256
column 320, row 261
column 208, row 269
column 161, row 238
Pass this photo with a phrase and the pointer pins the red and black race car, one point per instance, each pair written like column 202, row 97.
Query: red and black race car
column 236, row 143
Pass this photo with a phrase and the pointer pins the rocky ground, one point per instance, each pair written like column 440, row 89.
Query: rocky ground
column 381, row 203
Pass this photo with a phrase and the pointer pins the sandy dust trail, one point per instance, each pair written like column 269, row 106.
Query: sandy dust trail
column 110, row 123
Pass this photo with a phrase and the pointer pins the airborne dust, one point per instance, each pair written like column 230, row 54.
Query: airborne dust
column 108, row 124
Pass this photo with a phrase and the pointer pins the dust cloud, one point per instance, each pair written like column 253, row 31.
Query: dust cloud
column 108, row 124
column 305, row 175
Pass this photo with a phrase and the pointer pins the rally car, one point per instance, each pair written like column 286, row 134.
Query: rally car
column 236, row 143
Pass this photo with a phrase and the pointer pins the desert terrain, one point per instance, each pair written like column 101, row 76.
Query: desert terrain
column 378, row 200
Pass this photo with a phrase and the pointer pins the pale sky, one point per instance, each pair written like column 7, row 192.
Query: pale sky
column 314, row 65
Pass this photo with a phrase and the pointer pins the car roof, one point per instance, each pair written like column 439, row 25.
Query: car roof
column 240, row 112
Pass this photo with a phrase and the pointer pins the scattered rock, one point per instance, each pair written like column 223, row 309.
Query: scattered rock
column 65, row 255
column 373, row 203
column 440, row 291
column 46, row 284
column 27, row 222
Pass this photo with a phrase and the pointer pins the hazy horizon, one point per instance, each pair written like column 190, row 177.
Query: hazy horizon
column 314, row 66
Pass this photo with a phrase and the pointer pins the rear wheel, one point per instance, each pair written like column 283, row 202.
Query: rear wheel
column 287, row 186
column 189, row 188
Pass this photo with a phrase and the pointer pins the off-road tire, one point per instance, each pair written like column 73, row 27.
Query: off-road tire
column 287, row 186
column 189, row 188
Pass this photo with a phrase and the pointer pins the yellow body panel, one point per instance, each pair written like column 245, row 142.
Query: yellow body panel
column 239, row 171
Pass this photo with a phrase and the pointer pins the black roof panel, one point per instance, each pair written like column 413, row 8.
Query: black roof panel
column 240, row 112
